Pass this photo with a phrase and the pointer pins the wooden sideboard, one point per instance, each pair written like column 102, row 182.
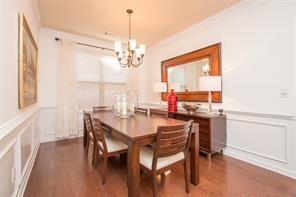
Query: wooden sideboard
column 212, row 130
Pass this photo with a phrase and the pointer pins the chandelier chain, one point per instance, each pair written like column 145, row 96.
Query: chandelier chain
column 130, row 27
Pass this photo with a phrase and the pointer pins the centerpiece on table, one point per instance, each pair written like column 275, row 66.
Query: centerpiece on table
column 125, row 104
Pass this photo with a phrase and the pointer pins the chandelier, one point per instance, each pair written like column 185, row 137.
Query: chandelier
column 133, row 56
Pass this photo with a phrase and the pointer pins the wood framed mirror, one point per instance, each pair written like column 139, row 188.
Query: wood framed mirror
column 181, row 73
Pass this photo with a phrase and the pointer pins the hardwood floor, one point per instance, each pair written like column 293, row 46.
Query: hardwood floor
column 63, row 169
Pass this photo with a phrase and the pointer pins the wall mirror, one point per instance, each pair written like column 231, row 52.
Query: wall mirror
column 181, row 73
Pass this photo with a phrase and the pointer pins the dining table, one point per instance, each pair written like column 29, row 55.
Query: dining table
column 141, row 130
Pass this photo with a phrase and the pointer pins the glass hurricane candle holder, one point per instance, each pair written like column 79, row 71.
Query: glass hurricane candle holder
column 124, row 107
column 117, row 105
column 133, row 102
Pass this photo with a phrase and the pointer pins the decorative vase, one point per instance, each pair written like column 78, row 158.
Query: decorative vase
column 172, row 101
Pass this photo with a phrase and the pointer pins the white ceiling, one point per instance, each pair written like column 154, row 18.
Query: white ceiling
column 152, row 21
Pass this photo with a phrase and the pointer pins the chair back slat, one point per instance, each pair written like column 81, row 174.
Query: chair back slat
column 172, row 140
column 99, row 135
column 141, row 110
column 170, row 152
column 88, row 122
column 101, row 108
column 157, row 112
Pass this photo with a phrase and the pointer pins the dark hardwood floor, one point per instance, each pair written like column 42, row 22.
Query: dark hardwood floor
column 63, row 169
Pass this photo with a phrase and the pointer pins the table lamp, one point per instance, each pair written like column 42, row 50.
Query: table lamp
column 210, row 84
column 159, row 87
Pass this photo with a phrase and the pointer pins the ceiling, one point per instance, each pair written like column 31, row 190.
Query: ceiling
column 152, row 20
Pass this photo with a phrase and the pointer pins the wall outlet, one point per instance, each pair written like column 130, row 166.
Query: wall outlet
column 284, row 93
column 13, row 174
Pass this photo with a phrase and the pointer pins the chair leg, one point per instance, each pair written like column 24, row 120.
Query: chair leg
column 163, row 177
column 186, row 174
column 104, row 171
column 154, row 183
column 97, row 157
column 94, row 154
column 87, row 145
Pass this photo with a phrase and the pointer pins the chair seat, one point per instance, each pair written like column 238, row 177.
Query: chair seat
column 146, row 158
column 114, row 144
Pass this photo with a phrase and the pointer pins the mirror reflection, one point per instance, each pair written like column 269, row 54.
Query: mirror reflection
column 184, row 77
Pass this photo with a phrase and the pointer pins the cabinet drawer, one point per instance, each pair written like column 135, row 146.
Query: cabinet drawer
column 204, row 137
column 204, row 129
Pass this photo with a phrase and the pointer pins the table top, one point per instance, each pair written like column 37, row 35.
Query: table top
column 139, row 126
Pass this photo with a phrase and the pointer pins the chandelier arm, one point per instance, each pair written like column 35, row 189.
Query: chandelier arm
column 138, row 64
column 122, row 65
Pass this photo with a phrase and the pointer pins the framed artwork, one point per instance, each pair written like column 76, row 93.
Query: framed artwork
column 28, row 54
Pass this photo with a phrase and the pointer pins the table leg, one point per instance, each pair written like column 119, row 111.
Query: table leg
column 84, row 134
column 194, row 158
column 133, row 165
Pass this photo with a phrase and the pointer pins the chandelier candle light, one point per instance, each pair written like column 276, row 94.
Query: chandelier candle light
column 131, row 50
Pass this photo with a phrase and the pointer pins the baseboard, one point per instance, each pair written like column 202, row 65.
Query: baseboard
column 24, row 182
column 256, row 162
column 53, row 138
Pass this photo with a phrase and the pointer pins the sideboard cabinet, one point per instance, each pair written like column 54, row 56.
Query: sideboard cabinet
column 212, row 130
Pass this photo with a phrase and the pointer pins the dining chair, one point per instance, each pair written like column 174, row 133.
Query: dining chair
column 90, row 134
column 157, row 112
column 142, row 110
column 107, row 145
column 171, row 148
column 97, row 109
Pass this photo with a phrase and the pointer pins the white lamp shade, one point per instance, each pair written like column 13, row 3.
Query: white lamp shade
column 133, row 44
column 175, row 86
column 117, row 46
column 160, row 87
column 210, row 83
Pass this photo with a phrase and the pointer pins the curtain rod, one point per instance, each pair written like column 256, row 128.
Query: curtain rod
column 88, row 45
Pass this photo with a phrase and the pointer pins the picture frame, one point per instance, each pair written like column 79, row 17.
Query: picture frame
column 27, row 68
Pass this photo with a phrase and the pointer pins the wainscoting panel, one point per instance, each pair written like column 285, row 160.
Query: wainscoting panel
column 20, row 146
column 265, row 139
column 48, row 124
column 26, row 147
column 7, row 163
column 266, row 142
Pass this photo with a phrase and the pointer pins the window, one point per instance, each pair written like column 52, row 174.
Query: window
column 99, row 78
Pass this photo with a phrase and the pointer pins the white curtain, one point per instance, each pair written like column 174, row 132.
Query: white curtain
column 67, row 105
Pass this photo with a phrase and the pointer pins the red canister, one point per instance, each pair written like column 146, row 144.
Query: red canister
column 172, row 101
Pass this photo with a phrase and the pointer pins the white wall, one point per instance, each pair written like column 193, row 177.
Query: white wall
column 9, row 61
column 19, row 137
column 258, row 61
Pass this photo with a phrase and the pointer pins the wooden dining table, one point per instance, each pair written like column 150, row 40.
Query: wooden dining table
column 141, row 130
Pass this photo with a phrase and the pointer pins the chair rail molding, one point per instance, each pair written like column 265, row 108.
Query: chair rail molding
column 7, row 127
